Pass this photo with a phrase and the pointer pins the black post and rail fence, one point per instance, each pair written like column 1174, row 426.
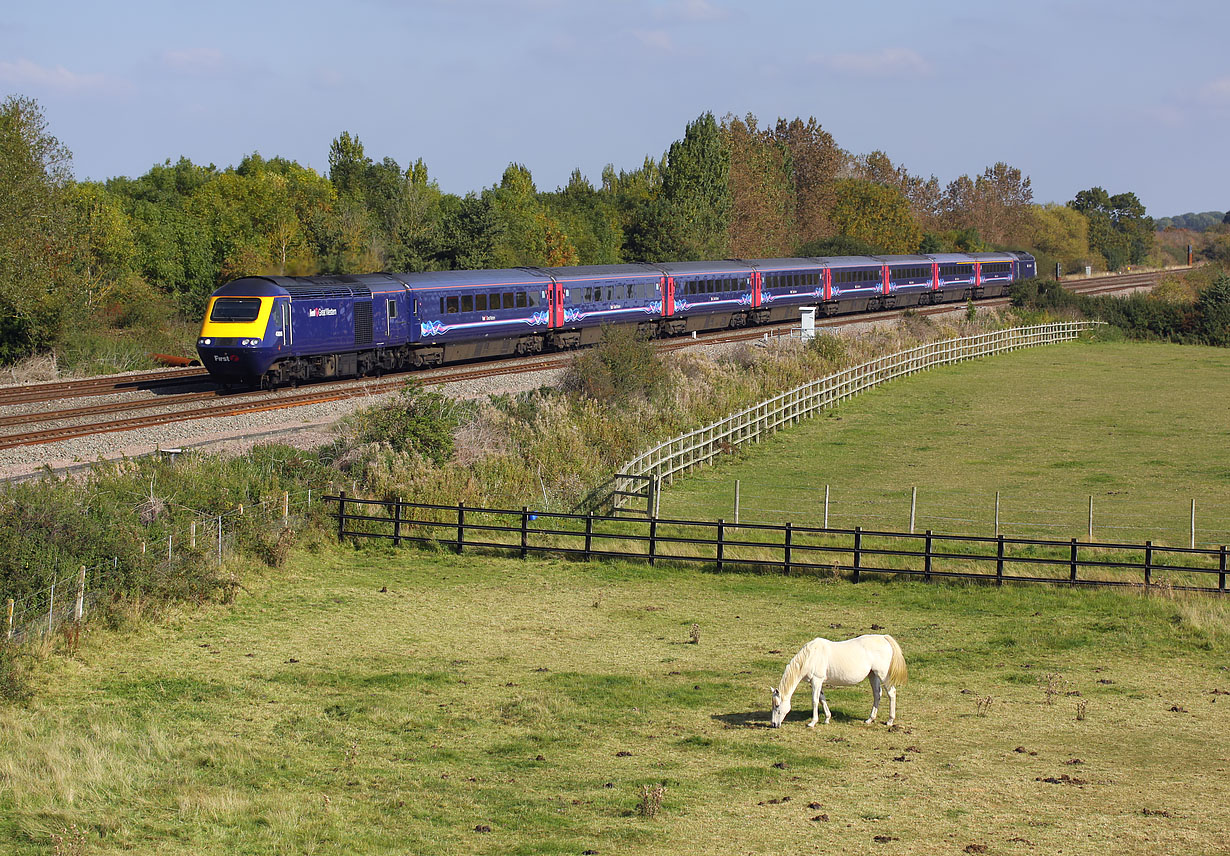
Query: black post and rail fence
column 791, row 549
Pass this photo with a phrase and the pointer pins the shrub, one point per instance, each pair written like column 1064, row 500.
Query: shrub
column 416, row 421
column 621, row 367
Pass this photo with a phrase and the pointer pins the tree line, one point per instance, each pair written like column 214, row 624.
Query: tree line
column 125, row 250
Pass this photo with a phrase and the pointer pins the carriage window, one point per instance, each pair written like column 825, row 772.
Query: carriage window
column 508, row 300
column 521, row 302
column 589, row 292
column 480, row 303
column 451, row 304
column 467, row 303
column 628, row 291
column 535, row 298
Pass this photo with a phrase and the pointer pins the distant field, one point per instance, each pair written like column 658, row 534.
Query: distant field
column 1140, row 428
column 394, row 703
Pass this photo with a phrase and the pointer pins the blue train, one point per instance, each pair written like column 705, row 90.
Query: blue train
column 273, row 330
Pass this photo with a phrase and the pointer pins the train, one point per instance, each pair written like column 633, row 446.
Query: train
column 266, row 331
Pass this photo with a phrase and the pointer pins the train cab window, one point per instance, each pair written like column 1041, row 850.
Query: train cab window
column 467, row 303
column 450, row 304
column 391, row 309
column 235, row 310
column 521, row 301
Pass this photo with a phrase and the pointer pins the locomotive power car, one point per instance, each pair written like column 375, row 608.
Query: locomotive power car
column 273, row 330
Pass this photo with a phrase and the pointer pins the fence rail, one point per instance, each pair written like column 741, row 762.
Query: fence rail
column 786, row 548
column 703, row 445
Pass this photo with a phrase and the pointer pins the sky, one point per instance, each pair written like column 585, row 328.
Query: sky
column 1128, row 95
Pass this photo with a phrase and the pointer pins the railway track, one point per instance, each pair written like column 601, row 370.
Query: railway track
column 172, row 407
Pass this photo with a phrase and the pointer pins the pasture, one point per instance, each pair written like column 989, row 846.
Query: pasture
column 1137, row 427
column 383, row 702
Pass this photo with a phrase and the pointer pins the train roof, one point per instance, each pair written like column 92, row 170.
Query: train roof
column 726, row 266
column 595, row 272
column 485, row 278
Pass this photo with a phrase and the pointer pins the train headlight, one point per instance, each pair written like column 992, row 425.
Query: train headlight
column 205, row 341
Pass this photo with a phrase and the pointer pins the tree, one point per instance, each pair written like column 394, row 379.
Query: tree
column 815, row 159
column 761, row 190
column 1060, row 234
column 696, row 190
column 874, row 214
column 36, row 239
column 1118, row 226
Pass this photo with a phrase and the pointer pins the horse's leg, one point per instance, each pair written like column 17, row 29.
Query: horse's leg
column 892, row 705
column 817, row 693
column 827, row 716
column 875, row 697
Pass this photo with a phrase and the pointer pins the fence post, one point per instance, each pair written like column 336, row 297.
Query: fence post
column 11, row 604
column 79, row 611
column 1072, row 569
column 736, row 502
column 858, row 547
column 1091, row 520
column 341, row 521
column 913, row 505
column 789, row 541
column 589, row 534
column 1221, row 577
column 285, row 506
column 219, row 540
column 397, row 523
column 51, row 605
column 1193, row 543
column 525, row 530
column 999, row 559
column 192, row 535
column 653, row 538
column 1148, row 563
column 461, row 526
column 826, row 506
column 927, row 558
column 997, row 514
column 721, row 545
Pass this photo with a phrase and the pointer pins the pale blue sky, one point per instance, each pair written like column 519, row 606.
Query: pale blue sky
column 1126, row 94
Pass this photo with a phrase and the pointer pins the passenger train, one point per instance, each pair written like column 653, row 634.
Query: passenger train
column 273, row 330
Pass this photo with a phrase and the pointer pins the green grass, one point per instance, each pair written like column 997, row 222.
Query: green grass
column 322, row 714
column 1137, row 427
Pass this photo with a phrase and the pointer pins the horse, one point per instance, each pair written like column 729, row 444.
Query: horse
column 842, row 664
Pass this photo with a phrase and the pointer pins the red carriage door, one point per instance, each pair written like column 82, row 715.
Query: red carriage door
column 884, row 272
column 828, row 284
column 977, row 274
column 935, row 276
column 757, row 281
column 555, row 304
column 668, row 296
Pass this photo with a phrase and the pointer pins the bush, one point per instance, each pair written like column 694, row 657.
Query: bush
column 416, row 421
column 621, row 367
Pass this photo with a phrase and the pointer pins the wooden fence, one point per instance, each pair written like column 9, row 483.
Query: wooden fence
column 703, row 445
column 787, row 549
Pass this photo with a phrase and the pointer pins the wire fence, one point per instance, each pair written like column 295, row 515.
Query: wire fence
column 202, row 536
column 1169, row 518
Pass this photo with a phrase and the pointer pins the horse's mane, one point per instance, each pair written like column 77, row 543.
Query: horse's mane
column 794, row 669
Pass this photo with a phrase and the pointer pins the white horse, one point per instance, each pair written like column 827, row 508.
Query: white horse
column 842, row 664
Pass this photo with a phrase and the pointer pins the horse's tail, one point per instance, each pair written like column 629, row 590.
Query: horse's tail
column 897, row 673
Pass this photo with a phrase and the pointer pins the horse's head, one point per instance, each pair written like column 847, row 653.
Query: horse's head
column 781, row 707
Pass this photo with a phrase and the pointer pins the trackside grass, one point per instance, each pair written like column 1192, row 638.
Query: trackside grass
column 416, row 702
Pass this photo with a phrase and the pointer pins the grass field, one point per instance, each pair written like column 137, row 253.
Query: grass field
column 410, row 702
column 1138, row 427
